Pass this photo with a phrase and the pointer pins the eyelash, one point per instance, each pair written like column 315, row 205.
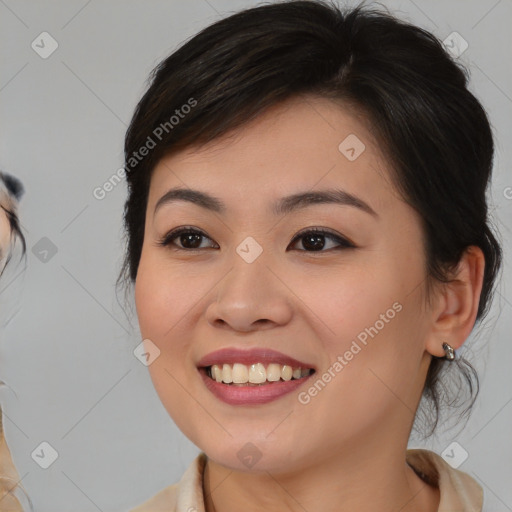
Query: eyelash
column 167, row 239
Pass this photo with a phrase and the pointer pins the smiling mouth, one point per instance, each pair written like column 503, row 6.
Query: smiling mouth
column 256, row 374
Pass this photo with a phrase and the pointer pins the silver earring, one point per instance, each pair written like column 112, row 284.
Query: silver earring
column 450, row 354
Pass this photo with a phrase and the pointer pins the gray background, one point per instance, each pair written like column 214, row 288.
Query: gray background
column 66, row 346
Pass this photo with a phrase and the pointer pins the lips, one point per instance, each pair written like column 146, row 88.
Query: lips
column 249, row 393
column 251, row 356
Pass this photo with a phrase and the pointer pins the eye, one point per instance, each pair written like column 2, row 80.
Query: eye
column 189, row 237
column 313, row 240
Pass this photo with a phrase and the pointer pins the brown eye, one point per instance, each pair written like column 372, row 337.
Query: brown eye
column 189, row 238
column 313, row 240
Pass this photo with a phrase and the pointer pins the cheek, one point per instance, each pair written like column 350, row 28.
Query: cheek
column 347, row 302
column 365, row 316
column 162, row 296
column 5, row 232
column 159, row 311
column 168, row 303
column 146, row 299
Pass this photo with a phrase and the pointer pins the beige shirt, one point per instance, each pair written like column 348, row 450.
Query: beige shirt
column 459, row 492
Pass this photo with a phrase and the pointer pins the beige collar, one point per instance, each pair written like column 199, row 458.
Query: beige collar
column 459, row 492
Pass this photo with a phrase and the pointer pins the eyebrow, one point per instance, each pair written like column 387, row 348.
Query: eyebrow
column 284, row 205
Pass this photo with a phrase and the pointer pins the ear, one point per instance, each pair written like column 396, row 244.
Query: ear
column 456, row 304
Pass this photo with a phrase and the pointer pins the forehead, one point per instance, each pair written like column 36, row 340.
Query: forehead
column 300, row 144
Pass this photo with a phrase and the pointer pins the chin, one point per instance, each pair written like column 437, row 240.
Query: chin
column 242, row 454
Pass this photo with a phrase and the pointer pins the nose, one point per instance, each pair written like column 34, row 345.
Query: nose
column 250, row 297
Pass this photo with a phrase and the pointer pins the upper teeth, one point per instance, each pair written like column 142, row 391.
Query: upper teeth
column 255, row 373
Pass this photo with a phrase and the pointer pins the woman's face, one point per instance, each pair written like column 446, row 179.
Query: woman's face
column 354, row 314
column 5, row 236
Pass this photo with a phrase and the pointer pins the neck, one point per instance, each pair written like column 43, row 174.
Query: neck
column 376, row 478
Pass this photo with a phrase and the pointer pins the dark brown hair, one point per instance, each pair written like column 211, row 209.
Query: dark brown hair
column 433, row 130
